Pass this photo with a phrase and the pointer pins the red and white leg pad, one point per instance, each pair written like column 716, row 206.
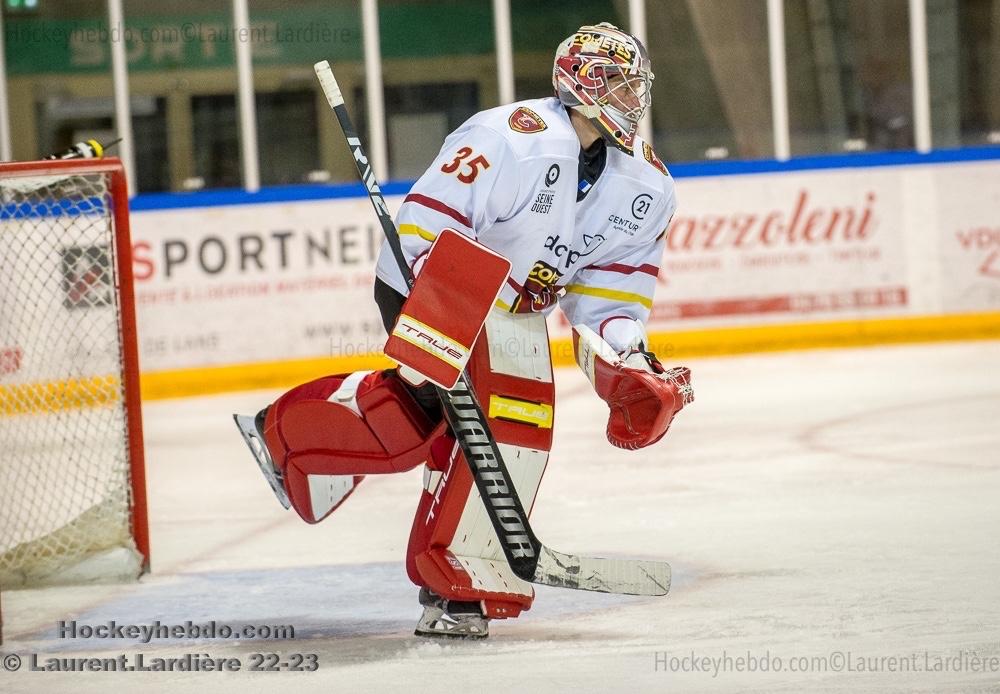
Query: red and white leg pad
column 324, row 436
column 453, row 548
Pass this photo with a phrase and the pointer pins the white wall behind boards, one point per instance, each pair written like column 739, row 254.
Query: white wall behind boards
column 274, row 281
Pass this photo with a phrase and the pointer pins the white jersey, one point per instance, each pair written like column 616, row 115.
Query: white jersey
column 508, row 177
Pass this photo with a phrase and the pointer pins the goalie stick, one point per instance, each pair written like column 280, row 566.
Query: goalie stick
column 528, row 557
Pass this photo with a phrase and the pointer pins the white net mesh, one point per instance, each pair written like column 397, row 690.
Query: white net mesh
column 64, row 456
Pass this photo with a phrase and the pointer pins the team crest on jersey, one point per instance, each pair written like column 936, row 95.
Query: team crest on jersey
column 524, row 120
column 651, row 157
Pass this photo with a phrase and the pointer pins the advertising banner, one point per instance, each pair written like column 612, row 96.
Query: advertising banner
column 250, row 283
column 771, row 248
column 967, row 236
column 269, row 282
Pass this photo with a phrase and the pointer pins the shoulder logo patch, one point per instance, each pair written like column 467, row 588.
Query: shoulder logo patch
column 651, row 157
column 524, row 120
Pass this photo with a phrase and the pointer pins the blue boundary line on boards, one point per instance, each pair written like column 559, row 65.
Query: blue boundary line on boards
column 238, row 196
column 819, row 162
column 322, row 191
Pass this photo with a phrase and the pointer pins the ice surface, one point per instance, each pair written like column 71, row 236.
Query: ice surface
column 834, row 501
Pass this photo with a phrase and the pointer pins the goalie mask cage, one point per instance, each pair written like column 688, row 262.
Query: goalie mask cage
column 72, row 482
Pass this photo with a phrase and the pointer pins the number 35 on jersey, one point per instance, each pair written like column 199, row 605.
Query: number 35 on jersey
column 467, row 168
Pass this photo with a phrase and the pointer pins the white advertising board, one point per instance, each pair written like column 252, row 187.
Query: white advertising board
column 252, row 283
column 276, row 281
column 784, row 247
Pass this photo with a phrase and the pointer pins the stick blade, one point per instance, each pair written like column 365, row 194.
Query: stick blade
column 620, row 576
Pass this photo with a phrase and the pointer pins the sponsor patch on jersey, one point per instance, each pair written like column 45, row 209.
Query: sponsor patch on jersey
column 524, row 120
column 543, row 202
column 539, row 290
column 567, row 255
column 552, row 175
column 641, row 205
column 651, row 157
column 626, row 226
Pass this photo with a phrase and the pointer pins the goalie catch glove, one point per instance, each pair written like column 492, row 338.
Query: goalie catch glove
column 642, row 396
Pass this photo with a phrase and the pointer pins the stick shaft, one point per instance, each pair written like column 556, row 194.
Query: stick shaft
column 365, row 172
column 462, row 409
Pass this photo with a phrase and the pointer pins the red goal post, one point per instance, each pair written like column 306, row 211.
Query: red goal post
column 72, row 476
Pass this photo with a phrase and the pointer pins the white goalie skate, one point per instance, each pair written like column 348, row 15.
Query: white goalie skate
column 251, row 428
column 451, row 618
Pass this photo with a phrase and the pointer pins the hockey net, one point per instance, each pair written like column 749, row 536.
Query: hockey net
column 72, row 487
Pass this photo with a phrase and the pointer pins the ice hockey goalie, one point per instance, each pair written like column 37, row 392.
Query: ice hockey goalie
column 529, row 204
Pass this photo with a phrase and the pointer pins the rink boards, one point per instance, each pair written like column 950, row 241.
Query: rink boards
column 239, row 290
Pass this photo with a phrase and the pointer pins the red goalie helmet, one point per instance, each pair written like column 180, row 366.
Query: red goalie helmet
column 606, row 75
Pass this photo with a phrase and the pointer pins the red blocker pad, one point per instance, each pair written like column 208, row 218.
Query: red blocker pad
column 446, row 309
